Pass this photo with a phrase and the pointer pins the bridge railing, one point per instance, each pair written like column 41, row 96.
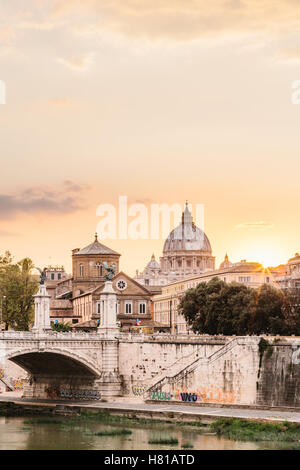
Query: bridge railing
column 45, row 334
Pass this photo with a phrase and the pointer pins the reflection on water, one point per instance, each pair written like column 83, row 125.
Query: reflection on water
column 16, row 434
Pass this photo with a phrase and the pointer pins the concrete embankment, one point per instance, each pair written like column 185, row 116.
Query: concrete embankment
column 174, row 412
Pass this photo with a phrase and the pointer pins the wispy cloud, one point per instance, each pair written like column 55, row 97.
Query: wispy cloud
column 79, row 63
column 5, row 233
column 186, row 19
column 43, row 200
column 261, row 225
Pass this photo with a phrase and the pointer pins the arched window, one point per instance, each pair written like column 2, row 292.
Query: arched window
column 99, row 270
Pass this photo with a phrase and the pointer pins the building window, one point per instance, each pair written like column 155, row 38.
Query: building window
column 52, row 276
column 146, row 282
column 244, row 279
column 74, row 320
column 99, row 307
column 59, row 276
column 142, row 307
column 99, row 270
column 81, row 270
column 121, row 284
column 128, row 307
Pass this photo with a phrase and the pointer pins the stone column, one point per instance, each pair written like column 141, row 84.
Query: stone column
column 109, row 383
column 108, row 323
column 41, row 310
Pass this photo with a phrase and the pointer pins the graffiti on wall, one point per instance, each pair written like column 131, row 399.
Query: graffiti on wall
column 138, row 390
column 209, row 394
column 11, row 382
column 190, row 397
column 69, row 393
column 18, row 384
column 163, row 396
column 202, row 394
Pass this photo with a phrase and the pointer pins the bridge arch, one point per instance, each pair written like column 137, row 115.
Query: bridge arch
column 54, row 362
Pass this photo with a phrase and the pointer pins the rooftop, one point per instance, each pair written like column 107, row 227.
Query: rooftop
column 96, row 248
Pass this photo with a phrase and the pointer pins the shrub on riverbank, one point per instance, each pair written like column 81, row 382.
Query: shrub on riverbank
column 113, row 432
column 168, row 441
column 245, row 430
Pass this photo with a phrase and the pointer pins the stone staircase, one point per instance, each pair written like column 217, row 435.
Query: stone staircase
column 5, row 380
column 180, row 369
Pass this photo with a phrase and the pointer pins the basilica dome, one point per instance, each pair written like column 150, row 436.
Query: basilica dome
column 186, row 252
column 153, row 264
column 187, row 237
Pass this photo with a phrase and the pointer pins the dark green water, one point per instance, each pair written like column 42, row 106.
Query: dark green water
column 16, row 434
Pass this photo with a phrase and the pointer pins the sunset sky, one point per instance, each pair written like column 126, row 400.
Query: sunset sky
column 158, row 100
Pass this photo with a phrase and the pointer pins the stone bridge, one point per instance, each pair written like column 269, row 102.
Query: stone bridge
column 64, row 364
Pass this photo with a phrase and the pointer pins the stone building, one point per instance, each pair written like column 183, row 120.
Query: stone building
column 151, row 275
column 87, row 266
column 165, row 304
column 133, row 304
column 59, row 287
column 187, row 251
column 76, row 299
column 288, row 276
column 54, row 275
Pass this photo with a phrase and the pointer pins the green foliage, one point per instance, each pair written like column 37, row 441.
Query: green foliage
column 244, row 430
column 113, row 432
column 187, row 445
column 170, row 441
column 262, row 345
column 61, row 327
column 45, row 420
column 217, row 307
column 17, row 288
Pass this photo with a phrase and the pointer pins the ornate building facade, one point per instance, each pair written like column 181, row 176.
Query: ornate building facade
column 133, row 304
column 187, row 251
column 87, row 265
column 77, row 297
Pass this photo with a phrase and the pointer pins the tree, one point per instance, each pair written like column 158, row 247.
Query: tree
column 216, row 307
column 266, row 311
column 291, row 309
column 17, row 288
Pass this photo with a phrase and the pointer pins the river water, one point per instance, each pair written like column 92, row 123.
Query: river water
column 60, row 433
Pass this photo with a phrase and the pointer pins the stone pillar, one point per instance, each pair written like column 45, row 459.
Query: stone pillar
column 108, row 323
column 109, row 383
column 41, row 310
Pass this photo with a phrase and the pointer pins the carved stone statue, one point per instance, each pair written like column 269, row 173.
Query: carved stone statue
column 43, row 276
column 110, row 271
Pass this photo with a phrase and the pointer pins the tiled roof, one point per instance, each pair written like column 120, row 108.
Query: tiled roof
column 96, row 248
